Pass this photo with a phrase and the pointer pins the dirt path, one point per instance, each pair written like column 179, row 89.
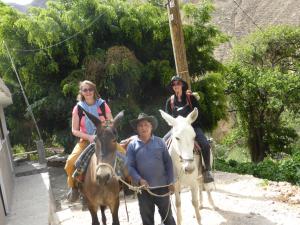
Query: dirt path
column 241, row 200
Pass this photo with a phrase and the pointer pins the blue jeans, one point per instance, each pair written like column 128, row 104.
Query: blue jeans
column 202, row 141
column 147, row 204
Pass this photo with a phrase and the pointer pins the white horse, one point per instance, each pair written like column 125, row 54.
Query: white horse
column 187, row 171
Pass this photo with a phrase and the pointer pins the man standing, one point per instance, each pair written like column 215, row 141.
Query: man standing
column 150, row 165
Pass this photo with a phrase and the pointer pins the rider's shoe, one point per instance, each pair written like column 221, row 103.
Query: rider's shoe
column 207, row 177
column 73, row 195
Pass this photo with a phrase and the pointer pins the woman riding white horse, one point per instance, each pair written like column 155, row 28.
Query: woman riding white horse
column 185, row 161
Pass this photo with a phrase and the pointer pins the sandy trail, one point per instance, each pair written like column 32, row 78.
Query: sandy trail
column 241, row 200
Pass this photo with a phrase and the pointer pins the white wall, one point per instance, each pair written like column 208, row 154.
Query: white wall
column 6, row 170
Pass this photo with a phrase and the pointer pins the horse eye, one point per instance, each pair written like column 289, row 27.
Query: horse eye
column 177, row 138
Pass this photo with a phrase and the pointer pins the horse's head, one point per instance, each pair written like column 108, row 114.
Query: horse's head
column 106, row 145
column 183, row 137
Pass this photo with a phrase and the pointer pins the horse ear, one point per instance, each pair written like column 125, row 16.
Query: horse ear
column 118, row 118
column 93, row 118
column 168, row 118
column 193, row 115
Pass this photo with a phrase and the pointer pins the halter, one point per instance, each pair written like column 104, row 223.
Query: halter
column 169, row 142
column 109, row 166
column 186, row 160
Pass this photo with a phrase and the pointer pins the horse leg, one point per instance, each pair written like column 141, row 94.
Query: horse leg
column 200, row 199
column 114, row 209
column 102, row 208
column 195, row 202
column 200, row 182
column 93, row 212
column 178, row 204
column 211, row 201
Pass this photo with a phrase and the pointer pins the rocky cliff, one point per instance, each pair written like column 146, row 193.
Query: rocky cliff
column 238, row 18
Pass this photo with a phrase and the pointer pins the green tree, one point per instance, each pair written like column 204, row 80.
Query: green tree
column 123, row 46
column 264, row 82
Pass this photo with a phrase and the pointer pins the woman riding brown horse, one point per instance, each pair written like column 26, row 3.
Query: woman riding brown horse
column 101, row 186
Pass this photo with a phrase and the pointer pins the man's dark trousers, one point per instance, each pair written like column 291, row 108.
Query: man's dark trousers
column 147, row 204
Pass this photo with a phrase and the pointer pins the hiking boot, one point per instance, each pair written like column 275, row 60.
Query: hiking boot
column 73, row 195
column 207, row 177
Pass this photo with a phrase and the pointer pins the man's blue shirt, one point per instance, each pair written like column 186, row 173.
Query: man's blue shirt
column 150, row 161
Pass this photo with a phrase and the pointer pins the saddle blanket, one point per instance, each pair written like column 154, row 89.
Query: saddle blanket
column 83, row 160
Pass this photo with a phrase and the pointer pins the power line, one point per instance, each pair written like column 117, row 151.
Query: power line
column 59, row 43
column 243, row 11
column 22, row 89
column 158, row 3
column 76, row 34
column 98, row 17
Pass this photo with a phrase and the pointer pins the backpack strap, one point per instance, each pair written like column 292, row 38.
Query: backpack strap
column 103, row 111
column 80, row 111
column 172, row 102
column 188, row 100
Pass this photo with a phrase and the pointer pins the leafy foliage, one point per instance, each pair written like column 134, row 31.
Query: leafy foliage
column 286, row 169
column 263, row 83
column 124, row 47
column 212, row 101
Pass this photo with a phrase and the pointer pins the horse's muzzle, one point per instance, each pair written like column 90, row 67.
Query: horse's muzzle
column 104, row 178
column 103, row 174
column 188, row 167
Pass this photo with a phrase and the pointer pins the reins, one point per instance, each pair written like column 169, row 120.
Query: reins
column 138, row 189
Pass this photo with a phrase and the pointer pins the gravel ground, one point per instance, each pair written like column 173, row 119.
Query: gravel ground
column 241, row 200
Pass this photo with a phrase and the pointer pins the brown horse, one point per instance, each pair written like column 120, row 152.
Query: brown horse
column 101, row 186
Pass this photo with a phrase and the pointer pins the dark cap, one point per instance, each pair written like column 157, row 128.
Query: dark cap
column 144, row 116
column 177, row 78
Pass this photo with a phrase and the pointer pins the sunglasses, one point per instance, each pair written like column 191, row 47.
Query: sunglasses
column 176, row 83
column 87, row 90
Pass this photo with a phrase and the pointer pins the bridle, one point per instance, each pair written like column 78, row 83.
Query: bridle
column 103, row 148
column 180, row 153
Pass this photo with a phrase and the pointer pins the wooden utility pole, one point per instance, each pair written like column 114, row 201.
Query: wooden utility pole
column 178, row 41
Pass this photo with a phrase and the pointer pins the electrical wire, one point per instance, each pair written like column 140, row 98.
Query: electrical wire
column 243, row 11
column 98, row 17
column 22, row 89
column 61, row 42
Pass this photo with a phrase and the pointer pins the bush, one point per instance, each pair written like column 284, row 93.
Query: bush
column 287, row 169
column 18, row 149
column 267, row 169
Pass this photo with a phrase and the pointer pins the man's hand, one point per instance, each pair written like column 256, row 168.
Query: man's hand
column 172, row 188
column 144, row 183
